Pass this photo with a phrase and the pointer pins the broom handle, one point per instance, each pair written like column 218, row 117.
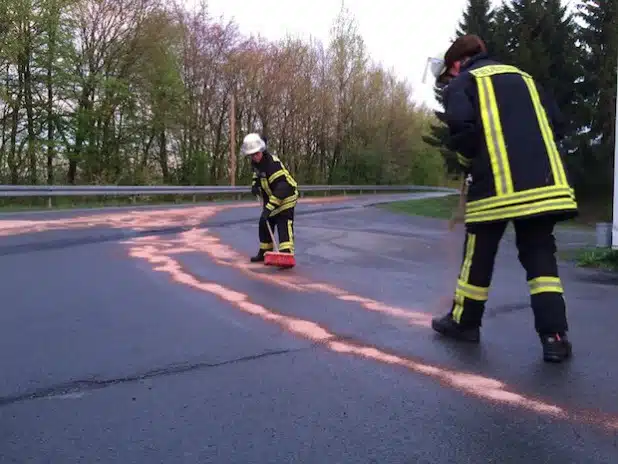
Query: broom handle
column 270, row 231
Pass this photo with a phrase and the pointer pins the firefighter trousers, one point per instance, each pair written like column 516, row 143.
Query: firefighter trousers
column 537, row 247
column 283, row 224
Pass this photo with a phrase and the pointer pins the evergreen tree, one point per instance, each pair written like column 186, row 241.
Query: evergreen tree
column 439, row 137
column 480, row 19
column 477, row 19
column 598, row 36
column 540, row 39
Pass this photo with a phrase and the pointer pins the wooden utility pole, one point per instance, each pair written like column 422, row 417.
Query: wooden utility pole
column 232, row 140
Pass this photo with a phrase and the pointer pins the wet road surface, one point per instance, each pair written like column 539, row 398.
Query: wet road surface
column 142, row 336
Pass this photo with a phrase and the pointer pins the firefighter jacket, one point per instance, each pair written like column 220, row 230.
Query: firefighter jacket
column 505, row 131
column 279, row 189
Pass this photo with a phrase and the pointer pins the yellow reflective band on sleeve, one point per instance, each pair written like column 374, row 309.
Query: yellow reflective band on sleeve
column 472, row 291
column 557, row 167
column 545, row 284
column 276, row 175
column 266, row 186
column 269, row 206
column 540, row 193
column 288, row 176
column 494, row 137
column 464, row 275
column 288, row 202
column 517, row 211
column 274, row 200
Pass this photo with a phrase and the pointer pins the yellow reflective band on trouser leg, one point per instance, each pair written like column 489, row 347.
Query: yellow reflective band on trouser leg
column 555, row 161
column 472, row 292
column 464, row 275
column 545, row 284
column 494, row 137
column 288, row 245
column 266, row 246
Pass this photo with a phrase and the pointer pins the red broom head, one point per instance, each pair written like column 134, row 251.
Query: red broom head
column 272, row 258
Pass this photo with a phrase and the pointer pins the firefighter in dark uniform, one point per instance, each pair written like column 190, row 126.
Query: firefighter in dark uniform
column 279, row 195
column 505, row 130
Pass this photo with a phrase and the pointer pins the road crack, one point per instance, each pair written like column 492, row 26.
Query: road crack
column 79, row 386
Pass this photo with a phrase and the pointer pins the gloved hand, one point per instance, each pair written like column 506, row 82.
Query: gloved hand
column 265, row 215
column 255, row 190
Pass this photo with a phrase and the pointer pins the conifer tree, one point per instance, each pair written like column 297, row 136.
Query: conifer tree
column 598, row 36
column 477, row 19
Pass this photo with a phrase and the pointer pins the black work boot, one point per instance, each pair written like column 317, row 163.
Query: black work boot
column 259, row 257
column 449, row 328
column 556, row 347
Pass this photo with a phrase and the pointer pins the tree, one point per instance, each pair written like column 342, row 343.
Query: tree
column 478, row 18
column 598, row 36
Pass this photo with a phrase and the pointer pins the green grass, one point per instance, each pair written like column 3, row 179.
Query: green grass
column 438, row 207
column 595, row 258
column 590, row 212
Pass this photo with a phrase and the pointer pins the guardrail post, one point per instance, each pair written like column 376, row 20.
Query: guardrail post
column 49, row 202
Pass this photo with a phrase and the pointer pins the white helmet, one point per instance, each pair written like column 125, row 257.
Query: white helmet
column 252, row 143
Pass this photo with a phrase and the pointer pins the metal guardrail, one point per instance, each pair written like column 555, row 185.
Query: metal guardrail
column 129, row 190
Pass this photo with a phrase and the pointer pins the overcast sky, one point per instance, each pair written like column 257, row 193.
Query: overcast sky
column 401, row 34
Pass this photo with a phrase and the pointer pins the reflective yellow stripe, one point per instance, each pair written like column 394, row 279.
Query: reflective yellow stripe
column 274, row 200
column 289, row 202
column 287, row 246
column 545, row 284
column 540, row 193
column 472, row 291
column 464, row 275
column 509, row 212
column 495, row 144
column 276, row 175
column 557, row 168
column 266, row 246
column 287, row 174
column 266, row 187
column 494, row 137
column 493, row 69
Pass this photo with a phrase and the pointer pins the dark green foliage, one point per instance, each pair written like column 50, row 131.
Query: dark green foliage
column 572, row 54
column 598, row 36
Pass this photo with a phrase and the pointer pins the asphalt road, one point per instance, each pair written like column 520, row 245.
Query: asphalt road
column 147, row 336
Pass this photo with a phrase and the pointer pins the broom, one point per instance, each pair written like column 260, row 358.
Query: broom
column 276, row 258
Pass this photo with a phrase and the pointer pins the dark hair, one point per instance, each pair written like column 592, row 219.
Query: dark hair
column 465, row 46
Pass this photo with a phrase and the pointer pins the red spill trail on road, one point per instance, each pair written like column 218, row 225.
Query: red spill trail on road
column 136, row 220
column 222, row 254
column 160, row 253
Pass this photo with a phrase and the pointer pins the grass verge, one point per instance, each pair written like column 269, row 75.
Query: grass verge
column 595, row 258
column 443, row 207
column 438, row 207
